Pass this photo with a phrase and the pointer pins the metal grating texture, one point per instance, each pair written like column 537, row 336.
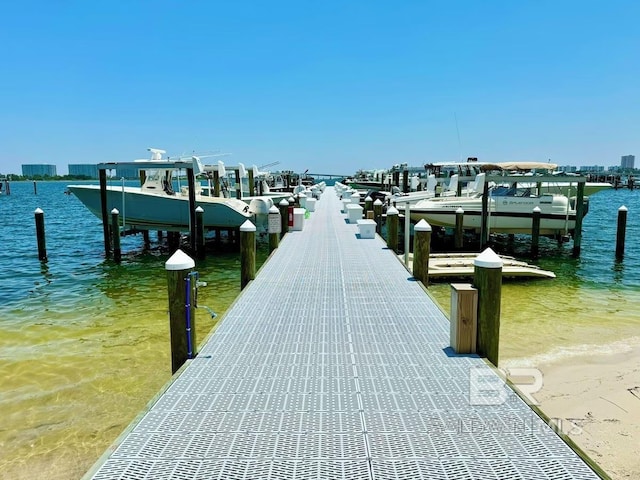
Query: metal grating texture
column 333, row 364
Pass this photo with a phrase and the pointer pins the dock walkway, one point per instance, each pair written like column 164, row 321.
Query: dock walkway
column 334, row 364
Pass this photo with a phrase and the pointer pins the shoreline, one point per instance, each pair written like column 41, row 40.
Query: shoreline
column 594, row 397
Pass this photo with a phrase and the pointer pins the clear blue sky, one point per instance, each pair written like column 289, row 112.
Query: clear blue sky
column 329, row 86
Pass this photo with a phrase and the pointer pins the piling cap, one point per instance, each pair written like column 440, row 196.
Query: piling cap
column 199, row 209
column 368, row 199
column 422, row 226
column 622, row 209
column 488, row 259
column 179, row 261
column 38, row 210
column 247, row 226
column 274, row 210
column 392, row 211
column 460, row 210
column 115, row 212
column 536, row 209
column 377, row 202
column 283, row 202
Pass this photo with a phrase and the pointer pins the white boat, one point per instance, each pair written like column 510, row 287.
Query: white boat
column 510, row 210
column 157, row 206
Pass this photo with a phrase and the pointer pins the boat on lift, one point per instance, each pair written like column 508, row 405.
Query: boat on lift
column 159, row 205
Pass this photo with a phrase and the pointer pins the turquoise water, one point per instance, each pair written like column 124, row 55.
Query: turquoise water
column 84, row 342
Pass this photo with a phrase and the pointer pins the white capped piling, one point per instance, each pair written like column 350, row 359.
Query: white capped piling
column 283, row 206
column 200, row 246
column 535, row 231
column 181, row 308
column 377, row 215
column 621, row 232
column 459, row 231
column 40, row 235
column 275, row 227
column 247, row 253
column 463, row 326
column 421, row 251
column 368, row 204
column 115, row 235
column 487, row 279
column 392, row 229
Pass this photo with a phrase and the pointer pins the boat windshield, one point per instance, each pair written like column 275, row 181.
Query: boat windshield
column 504, row 191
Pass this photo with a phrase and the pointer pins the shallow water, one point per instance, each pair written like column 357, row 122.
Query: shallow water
column 84, row 343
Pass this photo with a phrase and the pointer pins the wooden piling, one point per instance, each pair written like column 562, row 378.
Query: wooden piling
column 487, row 280
column 459, row 231
column 377, row 215
column 40, row 235
column 621, row 232
column 283, row 206
column 577, row 233
column 181, row 308
column 238, row 184
column 405, row 181
column 252, row 187
column 368, row 204
column 392, row 229
column 484, row 230
column 463, row 327
column 103, row 211
column 200, row 245
column 421, row 251
column 192, row 208
column 115, row 235
column 275, row 227
column 216, row 183
column 35, row 187
column 247, row 253
column 535, row 232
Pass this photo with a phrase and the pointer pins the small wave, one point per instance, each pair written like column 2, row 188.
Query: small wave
column 562, row 353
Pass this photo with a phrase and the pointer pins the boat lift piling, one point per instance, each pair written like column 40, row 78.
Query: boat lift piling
column 421, row 251
column 115, row 234
column 488, row 281
column 247, row 253
column 535, row 232
column 621, row 232
column 40, row 235
column 183, row 337
column 392, row 229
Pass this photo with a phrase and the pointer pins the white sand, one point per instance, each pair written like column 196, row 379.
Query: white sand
column 595, row 399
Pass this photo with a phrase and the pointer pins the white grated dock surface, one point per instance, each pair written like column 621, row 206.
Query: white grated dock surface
column 333, row 364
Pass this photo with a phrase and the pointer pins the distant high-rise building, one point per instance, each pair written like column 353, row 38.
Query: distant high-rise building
column 83, row 169
column 627, row 162
column 35, row 169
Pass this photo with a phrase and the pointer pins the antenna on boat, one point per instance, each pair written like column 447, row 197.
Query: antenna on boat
column 455, row 115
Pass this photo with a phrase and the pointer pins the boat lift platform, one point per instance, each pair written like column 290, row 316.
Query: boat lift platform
column 334, row 363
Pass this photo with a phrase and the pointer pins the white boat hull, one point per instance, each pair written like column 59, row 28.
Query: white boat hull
column 151, row 211
column 506, row 214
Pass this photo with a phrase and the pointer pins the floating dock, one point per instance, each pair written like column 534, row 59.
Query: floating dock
column 460, row 265
column 334, row 363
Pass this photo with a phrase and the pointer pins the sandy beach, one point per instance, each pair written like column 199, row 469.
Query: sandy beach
column 593, row 395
